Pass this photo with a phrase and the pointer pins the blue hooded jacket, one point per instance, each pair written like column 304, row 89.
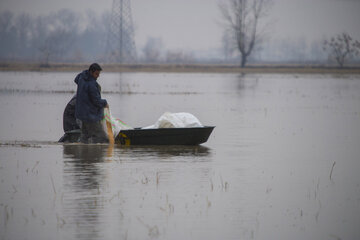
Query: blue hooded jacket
column 89, row 105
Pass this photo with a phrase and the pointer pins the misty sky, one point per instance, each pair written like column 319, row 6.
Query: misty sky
column 196, row 24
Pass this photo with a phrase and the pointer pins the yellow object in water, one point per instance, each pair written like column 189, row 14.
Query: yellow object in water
column 110, row 132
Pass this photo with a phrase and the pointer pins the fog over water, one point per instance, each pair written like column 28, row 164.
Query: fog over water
column 196, row 24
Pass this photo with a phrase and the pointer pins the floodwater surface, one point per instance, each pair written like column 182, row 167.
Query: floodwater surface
column 282, row 163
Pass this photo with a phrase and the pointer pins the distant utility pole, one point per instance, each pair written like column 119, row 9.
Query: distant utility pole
column 120, row 46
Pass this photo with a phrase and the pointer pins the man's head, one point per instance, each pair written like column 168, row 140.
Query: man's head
column 94, row 70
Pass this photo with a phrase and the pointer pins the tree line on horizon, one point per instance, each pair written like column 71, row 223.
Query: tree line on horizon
column 67, row 36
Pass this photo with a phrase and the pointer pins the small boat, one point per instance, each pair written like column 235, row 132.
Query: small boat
column 154, row 136
column 164, row 136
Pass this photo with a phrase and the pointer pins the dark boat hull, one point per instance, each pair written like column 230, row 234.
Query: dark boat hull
column 159, row 136
column 164, row 136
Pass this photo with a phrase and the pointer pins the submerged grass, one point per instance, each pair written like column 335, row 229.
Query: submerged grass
column 332, row 169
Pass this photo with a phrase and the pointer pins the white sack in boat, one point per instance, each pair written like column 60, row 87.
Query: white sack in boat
column 176, row 120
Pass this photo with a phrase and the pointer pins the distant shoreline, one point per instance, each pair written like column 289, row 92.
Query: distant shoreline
column 183, row 68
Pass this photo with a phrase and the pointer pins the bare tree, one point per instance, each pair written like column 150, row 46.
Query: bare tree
column 55, row 34
column 7, row 34
column 23, row 26
column 55, row 44
column 179, row 56
column 5, row 22
column 342, row 47
column 152, row 49
column 228, row 45
column 242, row 18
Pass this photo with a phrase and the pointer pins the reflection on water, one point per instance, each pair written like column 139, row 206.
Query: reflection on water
column 184, row 153
column 91, row 187
column 245, row 83
column 88, row 153
column 83, row 179
column 282, row 163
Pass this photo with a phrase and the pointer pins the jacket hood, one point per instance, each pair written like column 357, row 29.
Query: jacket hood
column 85, row 75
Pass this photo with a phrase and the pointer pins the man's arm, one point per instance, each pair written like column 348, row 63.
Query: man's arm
column 95, row 97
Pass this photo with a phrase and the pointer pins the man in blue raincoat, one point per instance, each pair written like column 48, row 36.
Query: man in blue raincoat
column 89, row 107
